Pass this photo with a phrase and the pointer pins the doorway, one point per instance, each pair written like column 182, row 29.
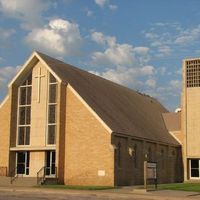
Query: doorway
column 22, row 162
column 50, row 163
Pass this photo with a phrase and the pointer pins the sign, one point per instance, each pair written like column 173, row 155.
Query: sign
column 101, row 173
column 151, row 170
column 150, row 173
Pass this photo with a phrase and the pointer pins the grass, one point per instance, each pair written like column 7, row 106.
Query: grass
column 76, row 187
column 193, row 187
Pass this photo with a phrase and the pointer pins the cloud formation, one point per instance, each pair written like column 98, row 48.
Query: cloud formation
column 7, row 73
column 165, row 38
column 6, row 33
column 28, row 12
column 126, row 64
column 59, row 37
column 103, row 3
column 116, row 54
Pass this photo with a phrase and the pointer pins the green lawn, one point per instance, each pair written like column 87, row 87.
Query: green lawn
column 73, row 187
column 193, row 187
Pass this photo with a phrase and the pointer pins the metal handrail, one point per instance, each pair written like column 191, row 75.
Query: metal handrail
column 41, row 177
column 41, row 174
column 13, row 175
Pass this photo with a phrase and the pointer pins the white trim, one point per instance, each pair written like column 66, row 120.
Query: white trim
column 47, row 66
column 22, row 69
column 34, row 54
column 4, row 101
column 27, row 148
column 172, row 134
column 47, row 111
column 190, row 59
column 18, row 110
column 25, row 163
column 193, row 178
column 90, row 109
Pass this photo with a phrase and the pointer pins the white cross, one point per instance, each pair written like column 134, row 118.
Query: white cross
column 39, row 76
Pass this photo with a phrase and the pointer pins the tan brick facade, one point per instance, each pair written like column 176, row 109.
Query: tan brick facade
column 5, row 133
column 88, row 151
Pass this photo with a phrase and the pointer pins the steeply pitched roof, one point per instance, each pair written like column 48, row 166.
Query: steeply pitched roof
column 123, row 110
column 172, row 121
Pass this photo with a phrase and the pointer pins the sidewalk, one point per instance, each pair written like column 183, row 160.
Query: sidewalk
column 125, row 192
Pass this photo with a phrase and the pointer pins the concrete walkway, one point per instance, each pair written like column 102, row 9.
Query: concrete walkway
column 123, row 193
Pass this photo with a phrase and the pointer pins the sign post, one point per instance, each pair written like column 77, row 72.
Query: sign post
column 150, row 173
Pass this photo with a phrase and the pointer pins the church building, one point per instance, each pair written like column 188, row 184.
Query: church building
column 62, row 122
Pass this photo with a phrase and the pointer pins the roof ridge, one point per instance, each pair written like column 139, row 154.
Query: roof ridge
column 100, row 77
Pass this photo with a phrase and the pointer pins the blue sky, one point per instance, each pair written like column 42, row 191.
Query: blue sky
column 136, row 43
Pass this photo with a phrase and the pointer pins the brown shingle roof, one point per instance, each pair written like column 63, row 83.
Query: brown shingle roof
column 172, row 121
column 123, row 110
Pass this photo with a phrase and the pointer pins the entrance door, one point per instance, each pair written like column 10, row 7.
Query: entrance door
column 22, row 163
column 50, row 163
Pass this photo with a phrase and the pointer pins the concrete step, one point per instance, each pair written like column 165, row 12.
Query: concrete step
column 20, row 181
column 4, row 181
column 50, row 181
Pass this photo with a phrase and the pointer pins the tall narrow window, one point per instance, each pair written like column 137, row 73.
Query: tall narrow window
column 52, row 108
column 24, row 111
column 135, row 156
column 149, row 154
column 194, row 168
column 119, row 155
column 162, row 159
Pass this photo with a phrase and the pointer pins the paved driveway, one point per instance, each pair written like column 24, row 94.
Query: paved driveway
column 45, row 194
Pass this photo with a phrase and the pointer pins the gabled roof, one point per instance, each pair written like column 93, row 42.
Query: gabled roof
column 124, row 110
column 172, row 121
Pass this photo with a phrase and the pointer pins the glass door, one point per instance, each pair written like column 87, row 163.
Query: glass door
column 22, row 163
column 50, row 163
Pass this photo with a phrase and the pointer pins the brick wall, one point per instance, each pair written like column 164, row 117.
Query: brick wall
column 5, row 133
column 131, row 169
column 88, row 151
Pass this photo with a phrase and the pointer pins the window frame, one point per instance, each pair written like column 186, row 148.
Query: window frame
column 19, row 105
column 48, row 106
column 190, row 169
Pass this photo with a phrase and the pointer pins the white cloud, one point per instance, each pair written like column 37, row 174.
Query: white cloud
column 161, row 70
column 147, row 70
column 6, row 33
column 188, row 36
column 151, row 83
column 102, row 39
column 164, row 50
column 176, row 84
column 131, row 77
column 89, row 13
column 6, row 74
column 127, row 64
column 28, row 12
column 179, row 71
column 118, row 54
column 101, row 3
column 59, row 37
column 113, row 7
column 165, row 38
